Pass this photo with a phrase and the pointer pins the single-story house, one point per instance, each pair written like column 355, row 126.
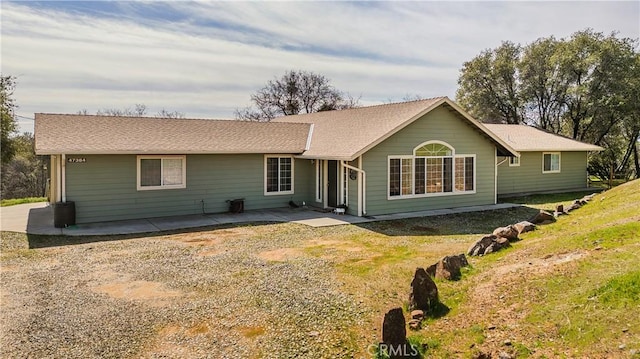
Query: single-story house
column 547, row 162
column 391, row 158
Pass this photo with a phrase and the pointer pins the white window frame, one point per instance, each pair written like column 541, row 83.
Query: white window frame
column 319, row 181
column 475, row 174
column 559, row 162
column 514, row 161
column 279, row 192
column 183, row 158
column 413, row 184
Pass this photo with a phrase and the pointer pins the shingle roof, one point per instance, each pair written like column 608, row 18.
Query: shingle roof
column 527, row 138
column 346, row 134
column 82, row 134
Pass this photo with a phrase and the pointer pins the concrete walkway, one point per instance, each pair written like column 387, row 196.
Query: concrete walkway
column 37, row 218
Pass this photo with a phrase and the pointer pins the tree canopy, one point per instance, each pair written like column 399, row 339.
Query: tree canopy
column 584, row 87
column 294, row 93
column 9, row 123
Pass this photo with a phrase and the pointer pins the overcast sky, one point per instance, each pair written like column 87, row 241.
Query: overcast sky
column 206, row 58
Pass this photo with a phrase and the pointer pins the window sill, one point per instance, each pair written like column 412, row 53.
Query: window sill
column 545, row 172
column 428, row 195
column 278, row 193
column 156, row 188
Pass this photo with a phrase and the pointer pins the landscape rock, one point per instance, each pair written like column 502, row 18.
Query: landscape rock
column 542, row 217
column 415, row 324
column 508, row 232
column 417, row 314
column 504, row 355
column 559, row 211
column 448, row 267
column 394, row 331
column 481, row 355
column 488, row 244
column 424, row 292
column 575, row 205
column 524, row 227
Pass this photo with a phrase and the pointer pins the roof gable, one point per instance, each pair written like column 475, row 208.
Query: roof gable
column 347, row 134
column 528, row 139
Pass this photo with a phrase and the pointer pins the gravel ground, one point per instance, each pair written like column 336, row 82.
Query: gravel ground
column 206, row 294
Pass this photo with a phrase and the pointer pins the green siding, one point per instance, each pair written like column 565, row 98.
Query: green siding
column 104, row 187
column 439, row 124
column 528, row 177
column 353, row 192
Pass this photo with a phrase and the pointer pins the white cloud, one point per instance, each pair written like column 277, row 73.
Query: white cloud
column 206, row 58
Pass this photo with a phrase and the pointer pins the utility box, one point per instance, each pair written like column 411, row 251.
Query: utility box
column 64, row 214
column 236, row 205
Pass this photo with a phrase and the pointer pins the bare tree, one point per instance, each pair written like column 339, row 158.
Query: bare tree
column 294, row 93
column 169, row 114
column 138, row 111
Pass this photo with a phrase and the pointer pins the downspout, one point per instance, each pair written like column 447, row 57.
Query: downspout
column 362, row 187
column 495, row 181
column 63, row 179
column 58, row 179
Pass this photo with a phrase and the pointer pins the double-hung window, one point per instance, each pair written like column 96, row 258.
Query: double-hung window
column 278, row 175
column 161, row 172
column 514, row 161
column 433, row 169
column 551, row 162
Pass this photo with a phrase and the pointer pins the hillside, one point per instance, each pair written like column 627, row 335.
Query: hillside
column 569, row 289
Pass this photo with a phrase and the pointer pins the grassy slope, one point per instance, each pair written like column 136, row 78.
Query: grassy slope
column 568, row 289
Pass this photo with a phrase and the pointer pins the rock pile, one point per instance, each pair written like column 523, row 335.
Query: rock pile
column 503, row 235
column 488, row 244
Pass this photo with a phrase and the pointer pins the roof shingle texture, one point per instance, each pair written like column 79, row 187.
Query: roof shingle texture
column 82, row 134
column 527, row 138
column 345, row 133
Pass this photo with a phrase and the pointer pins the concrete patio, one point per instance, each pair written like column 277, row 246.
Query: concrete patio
column 37, row 218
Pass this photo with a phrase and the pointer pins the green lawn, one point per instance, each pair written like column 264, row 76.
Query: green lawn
column 14, row 201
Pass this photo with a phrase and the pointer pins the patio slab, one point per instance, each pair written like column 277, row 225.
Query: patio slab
column 37, row 218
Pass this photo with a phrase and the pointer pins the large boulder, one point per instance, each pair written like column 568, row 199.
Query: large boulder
column 542, row 217
column 424, row 292
column 524, row 227
column 488, row 244
column 394, row 330
column 394, row 335
column 448, row 267
column 508, row 232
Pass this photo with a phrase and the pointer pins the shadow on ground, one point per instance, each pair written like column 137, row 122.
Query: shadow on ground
column 450, row 224
column 45, row 241
column 551, row 197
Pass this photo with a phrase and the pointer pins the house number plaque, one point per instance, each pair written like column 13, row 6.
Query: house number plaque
column 76, row 160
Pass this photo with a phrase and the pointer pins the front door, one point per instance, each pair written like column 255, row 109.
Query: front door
column 332, row 183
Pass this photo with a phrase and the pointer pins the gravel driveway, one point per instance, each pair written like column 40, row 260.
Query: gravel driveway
column 218, row 293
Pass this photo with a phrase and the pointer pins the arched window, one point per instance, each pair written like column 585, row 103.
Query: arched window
column 433, row 148
column 433, row 169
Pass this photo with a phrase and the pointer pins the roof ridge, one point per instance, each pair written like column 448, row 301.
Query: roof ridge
column 404, row 102
column 150, row 118
column 370, row 106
